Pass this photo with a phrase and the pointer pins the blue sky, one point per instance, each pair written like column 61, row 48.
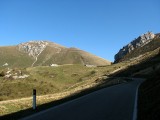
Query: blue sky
column 100, row 27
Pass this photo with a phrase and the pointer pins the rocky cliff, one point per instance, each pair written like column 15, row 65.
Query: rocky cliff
column 137, row 43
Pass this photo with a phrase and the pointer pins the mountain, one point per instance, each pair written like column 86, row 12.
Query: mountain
column 42, row 53
column 143, row 57
column 144, row 43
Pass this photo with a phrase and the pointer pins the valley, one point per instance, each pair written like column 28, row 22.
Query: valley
column 57, row 73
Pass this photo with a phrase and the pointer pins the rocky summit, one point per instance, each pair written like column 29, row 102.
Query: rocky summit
column 137, row 43
column 46, row 53
column 33, row 48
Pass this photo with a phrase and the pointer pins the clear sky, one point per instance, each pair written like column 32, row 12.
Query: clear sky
column 100, row 27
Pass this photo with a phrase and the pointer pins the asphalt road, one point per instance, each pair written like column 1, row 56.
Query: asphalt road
column 112, row 103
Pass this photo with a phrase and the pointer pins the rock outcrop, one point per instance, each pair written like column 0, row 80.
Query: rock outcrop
column 33, row 48
column 138, row 42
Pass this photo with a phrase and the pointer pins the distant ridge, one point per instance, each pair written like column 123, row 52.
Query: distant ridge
column 45, row 53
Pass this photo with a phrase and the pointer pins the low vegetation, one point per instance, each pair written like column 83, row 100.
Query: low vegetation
column 47, row 80
column 149, row 97
column 60, row 82
column 51, row 83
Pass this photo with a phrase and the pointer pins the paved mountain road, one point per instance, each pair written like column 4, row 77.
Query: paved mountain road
column 112, row 103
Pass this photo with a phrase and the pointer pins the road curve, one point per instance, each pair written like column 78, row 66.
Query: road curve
column 112, row 103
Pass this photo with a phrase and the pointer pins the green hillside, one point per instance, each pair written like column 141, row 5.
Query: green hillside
column 48, row 80
column 71, row 73
column 69, row 56
column 26, row 55
column 14, row 57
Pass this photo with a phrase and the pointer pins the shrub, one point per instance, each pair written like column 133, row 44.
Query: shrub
column 93, row 72
column 80, row 79
column 2, row 74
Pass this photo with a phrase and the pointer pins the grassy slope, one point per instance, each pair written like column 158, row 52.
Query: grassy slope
column 88, row 58
column 149, row 98
column 49, row 80
column 68, row 56
column 53, row 54
column 140, row 67
column 14, row 58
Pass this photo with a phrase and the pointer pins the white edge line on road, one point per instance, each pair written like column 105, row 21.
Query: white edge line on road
column 135, row 104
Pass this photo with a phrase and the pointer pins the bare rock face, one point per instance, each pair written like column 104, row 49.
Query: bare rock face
column 33, row 48
column 138, row 42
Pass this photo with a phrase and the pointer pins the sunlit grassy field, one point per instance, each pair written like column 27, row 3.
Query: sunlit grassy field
column 48, row 80
column 51, row 83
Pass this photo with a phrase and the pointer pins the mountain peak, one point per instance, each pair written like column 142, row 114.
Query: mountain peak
column 138, row 42
column 38, row 53
column 33, row 48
